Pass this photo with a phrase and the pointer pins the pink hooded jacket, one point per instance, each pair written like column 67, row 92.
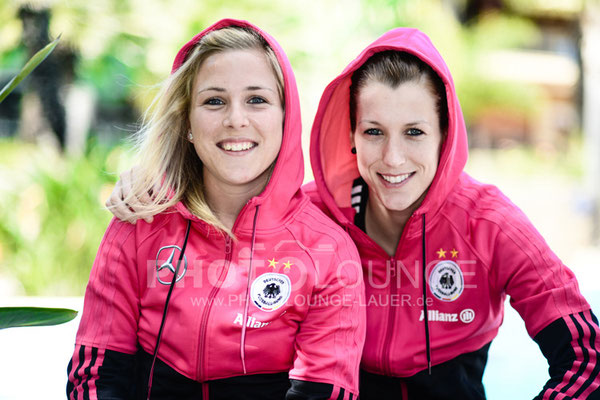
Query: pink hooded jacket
column 285, row 296
column 461, row 252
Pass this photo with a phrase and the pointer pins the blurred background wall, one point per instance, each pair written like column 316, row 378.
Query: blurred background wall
column 527, row 73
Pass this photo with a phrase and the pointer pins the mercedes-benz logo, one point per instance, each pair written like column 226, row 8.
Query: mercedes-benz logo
column 169, row 264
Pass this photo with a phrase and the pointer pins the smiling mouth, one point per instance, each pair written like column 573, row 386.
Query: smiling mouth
column 396, row 179
column 236, row 146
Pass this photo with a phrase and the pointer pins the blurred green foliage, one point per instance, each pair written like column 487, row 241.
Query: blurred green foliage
column 126, row 46
column 52, row 214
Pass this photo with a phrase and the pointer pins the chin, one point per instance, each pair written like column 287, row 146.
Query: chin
column 396, row 207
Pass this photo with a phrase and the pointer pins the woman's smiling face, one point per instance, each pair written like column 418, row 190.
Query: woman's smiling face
column 236, row 118
column 398, row 141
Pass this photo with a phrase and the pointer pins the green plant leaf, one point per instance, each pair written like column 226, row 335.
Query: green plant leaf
column 28, row 68
column 11, row 317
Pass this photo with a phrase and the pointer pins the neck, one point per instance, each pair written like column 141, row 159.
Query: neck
column 385, row 226
column 226, row 201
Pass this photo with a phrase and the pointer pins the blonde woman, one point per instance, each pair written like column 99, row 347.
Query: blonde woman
column 239, row 288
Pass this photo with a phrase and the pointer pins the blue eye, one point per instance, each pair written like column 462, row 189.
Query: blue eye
column 373, row 132
column 214, row 101
column 257, row 100
column 414, row 132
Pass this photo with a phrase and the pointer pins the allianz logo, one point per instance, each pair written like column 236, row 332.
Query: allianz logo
column 251, row 322
column 466, row 316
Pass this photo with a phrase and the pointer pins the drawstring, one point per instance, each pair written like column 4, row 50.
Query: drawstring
column 247, row 301
column 164, row 317
column 425, row 312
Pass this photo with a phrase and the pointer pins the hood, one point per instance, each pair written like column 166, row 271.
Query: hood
column 334, row 166
column 283, row 187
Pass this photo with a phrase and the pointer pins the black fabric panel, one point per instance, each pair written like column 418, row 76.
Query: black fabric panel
column 92, row 363
column 379, row 387
column 307, row 390
column 167, row 383
column 359, row 217
column 115, row 376
column 76, row 376
column 555, row 343
column 250, row 387
column 595, row 375
column 592, row 326
column 585, row 362
column 459, row 378
column 70, row 385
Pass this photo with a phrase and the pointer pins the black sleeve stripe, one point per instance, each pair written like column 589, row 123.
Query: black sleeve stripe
column 70, row 385
column 583, row 365
column 76, row 377
column 87, row 371
column 569, row 345
column 594, row 373
column 341, row 394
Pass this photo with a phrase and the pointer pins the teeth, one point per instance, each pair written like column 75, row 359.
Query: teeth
column 237, row 146
column 395, row 178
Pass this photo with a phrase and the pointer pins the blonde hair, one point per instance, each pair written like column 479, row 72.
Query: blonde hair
column 167, row 159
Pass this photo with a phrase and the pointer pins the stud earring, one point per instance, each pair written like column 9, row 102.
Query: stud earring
column 353, row 150
column 190, row 136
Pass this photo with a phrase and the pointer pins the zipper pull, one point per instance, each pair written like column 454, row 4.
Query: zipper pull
column 392, row 267
column 227, row 245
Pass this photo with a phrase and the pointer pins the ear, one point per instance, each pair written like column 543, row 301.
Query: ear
column 188, row 133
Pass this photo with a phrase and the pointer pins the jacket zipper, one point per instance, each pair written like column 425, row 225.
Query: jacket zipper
column 385, row 356
column 206, row 312
column 391, row 321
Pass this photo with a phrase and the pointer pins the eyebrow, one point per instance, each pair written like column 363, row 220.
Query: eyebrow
column 413, row 123
column 211, row 88
column 222, row 90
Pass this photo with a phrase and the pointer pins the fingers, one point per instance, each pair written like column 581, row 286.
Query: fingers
column 147, row 197
column 115, row 197
column 127, row 211
column 116, row 202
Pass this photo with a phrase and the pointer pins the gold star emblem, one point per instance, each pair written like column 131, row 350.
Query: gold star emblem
column 273, row 263
column 441, row 253
column 454, row 253
column 287, row 265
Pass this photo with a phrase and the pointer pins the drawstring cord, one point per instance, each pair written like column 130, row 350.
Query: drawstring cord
column 164, row 317
column 246, row 299
column 425, row 312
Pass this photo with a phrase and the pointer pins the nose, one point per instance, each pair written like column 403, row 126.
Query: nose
column 394, row 153
column 235, row 117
